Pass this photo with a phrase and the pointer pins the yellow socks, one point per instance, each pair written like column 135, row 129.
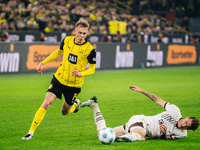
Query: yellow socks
column 37, row 119
column 73, row 108
column 39, row 116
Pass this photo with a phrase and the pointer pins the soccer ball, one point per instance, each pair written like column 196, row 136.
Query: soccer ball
column 106, row 135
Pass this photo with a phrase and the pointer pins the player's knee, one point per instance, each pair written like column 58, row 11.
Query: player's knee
column 46, row 105
column 137, row 137
column 140, row 136
column 139, row 133
column 64, row 112
column 143, row 138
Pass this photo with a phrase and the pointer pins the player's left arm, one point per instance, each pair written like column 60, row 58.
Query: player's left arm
column 92, row 61
column 153, row 97
column 89, row 71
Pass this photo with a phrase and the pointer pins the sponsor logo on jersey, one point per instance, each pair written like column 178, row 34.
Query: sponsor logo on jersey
column 72, row 58
column 161, row 121
column 169, row 118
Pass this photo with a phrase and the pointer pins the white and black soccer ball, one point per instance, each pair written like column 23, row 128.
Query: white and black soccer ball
column 107, row 135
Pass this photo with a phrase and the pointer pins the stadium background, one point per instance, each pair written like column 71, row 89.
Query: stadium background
column 147, row 28
column 133, row 19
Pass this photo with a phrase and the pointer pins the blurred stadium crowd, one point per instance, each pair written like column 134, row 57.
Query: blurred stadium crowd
column 114, row 17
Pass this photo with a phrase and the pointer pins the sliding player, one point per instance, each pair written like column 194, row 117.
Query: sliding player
column 166, row 125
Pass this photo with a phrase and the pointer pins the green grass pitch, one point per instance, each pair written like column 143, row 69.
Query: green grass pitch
column 22, row 94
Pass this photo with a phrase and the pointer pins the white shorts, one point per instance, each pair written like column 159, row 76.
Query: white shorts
column 137, row 121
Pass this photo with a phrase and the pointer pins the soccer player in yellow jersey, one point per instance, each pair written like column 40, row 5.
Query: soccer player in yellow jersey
column 68, row 79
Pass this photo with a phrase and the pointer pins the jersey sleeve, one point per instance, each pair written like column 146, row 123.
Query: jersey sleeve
column 62, row 44
column 53, row 56
column 171, row 108
column 92, row 57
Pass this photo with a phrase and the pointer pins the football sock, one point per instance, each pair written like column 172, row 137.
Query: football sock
column 37, row 119
column 73, row 108
column 98, row 118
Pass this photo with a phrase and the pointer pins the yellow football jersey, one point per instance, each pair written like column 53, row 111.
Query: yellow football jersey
column 76, row 56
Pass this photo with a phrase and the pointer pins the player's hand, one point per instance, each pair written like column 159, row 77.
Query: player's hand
column 163, row 128
column 40, row 68
column 76, row 73
column 135, row 88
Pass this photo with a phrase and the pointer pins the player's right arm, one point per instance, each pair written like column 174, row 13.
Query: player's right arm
column 153, row 97
column 51, row 57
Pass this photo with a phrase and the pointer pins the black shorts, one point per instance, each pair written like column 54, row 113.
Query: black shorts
column 70, row 93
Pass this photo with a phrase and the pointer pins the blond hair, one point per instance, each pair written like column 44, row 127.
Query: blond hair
column 82, row 23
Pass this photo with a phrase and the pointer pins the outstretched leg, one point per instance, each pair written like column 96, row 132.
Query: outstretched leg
column 98, row 118
column 100, row 122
